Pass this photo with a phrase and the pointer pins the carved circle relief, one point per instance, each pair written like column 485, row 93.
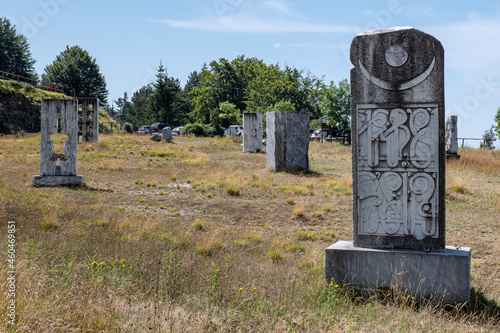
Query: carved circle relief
column 396, row 55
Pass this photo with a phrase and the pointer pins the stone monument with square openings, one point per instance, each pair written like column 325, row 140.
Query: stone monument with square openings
column 252, row 132
column 89, row 118
column 58, row 116
column 451, row 145
column 287, row 145
column 398, row 159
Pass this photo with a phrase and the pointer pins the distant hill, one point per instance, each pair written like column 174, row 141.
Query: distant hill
column 20, row 107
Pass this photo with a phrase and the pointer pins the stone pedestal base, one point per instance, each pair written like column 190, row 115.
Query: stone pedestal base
column 443, row 275
column 57, row 180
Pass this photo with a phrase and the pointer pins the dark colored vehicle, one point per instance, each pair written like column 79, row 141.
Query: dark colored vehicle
column 158, row 127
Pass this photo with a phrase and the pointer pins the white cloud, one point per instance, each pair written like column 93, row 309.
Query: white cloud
column 263, row 16
column 281, row 7
column 252, row 24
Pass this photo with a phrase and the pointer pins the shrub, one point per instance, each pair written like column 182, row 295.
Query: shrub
column 196, row 129
column 275, row 256
column 234, row 191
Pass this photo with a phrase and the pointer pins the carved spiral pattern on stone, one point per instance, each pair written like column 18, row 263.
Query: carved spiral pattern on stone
column 421, row 183
column 419, row 119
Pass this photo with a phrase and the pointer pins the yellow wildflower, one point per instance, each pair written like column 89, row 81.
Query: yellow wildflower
column 330, row 285
column 102, row 263
column 123, row 259
column 241, row 289
column 57, row 271
column 94, row 263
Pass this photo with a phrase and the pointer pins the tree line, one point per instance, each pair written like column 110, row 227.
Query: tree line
column 219, row 93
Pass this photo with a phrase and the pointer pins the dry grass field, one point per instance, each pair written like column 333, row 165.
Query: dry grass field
column 196, row 236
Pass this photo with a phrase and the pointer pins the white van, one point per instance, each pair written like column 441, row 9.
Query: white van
column 235, row 130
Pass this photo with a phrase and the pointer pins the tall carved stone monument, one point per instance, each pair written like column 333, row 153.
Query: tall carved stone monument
column 252, row 132
column 451, row 145
column 89, row 118
column 397, row 113
column 287, row 145
column 58, row 169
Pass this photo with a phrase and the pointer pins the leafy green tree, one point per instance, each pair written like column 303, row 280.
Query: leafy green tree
column 488, row 139
column 315, row 124
column 497, row 121
column 273, row 86
column 15, row 55
column 335, row 105
column 79, row 73
column 283, row 106
column 229, row 114
column 223, row 81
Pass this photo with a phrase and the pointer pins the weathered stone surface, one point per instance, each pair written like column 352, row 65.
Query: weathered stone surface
column 58, row 116
column 252, row 132
column 451, row 145
column 297, row 140
column 156, row 137
column 166, row 134
column 276, row 141
column 89, row 119
column 397, row 113
column 444, row 275
column 287, row 144
column 58, row 180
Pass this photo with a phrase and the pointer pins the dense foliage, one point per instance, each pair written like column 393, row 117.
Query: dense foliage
column 15, row 55
column 218, row 94
column 79, row 73
column 336, row 106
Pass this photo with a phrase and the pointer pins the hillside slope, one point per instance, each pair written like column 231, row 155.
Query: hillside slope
column 20, row 107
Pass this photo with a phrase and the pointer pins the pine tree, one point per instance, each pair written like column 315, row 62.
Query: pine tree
column 15, row 55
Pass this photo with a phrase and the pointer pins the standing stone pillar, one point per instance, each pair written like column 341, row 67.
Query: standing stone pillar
column 287, row 145
column 252, row 132
column 166, row 134
column 397, row 112
column 451, row 145
column 58, row 169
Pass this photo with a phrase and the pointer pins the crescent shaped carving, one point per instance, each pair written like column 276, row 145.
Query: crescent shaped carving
column 387, row 85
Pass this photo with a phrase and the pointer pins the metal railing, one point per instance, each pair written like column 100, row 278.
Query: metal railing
column 56, row 87
column 473, row 139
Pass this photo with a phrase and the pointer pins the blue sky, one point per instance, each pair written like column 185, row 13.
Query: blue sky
column 129, row 38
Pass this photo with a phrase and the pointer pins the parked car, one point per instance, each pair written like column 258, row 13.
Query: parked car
column 158, row 127
column 317, row 135
column 235, row 130
column 177, row 130
column 144, row 129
